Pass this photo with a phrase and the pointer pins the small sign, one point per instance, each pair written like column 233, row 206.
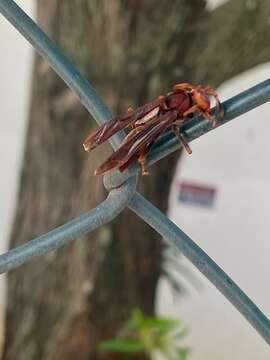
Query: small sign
column 197, row 194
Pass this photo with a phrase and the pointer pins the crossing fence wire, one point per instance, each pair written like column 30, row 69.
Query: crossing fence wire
column 122, row 187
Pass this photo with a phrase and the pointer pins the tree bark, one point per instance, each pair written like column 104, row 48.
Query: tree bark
column 231, row 39
column 62, row 304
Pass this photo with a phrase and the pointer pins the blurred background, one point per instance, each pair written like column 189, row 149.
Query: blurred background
column 229, row 166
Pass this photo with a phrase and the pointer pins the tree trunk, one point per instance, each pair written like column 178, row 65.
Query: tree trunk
column 62, row 304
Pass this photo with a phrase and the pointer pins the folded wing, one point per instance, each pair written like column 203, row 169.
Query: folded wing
column 137, row 142
column 116, row 124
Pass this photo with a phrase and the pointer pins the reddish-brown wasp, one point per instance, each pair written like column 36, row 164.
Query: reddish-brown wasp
column 148, row 121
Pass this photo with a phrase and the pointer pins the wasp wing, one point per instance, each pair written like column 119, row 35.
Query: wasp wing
column 137, row 141
column 116, row 124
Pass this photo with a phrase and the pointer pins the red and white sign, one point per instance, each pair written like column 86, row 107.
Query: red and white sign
column 197, row 194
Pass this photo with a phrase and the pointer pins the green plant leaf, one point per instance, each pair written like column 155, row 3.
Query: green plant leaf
column 161, row 324
column 182, row 353
column 122, row 345
column 135, row 323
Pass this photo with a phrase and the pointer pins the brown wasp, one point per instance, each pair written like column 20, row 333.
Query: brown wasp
column 149, row 121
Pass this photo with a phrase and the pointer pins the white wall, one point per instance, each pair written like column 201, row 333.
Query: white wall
column 235, row 232
column 14, row 89
column 15, row 55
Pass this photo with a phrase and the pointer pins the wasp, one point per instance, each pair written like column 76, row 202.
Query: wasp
column 149, row 121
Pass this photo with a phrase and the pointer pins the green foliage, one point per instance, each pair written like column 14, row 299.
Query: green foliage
column 155, row 337
column 122, row 345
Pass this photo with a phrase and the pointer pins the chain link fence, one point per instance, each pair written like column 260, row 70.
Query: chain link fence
column 122, row 186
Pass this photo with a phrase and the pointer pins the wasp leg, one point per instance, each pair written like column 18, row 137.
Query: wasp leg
column 141, row 161
column 210, row 118
column 205, row 114
column 191, row 110
column 181, row 139
column 210, row 91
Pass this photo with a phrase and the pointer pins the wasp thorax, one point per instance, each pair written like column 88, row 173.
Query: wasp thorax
column 179, row 101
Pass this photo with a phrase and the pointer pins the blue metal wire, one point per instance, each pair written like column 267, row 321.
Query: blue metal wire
column 120, row 197
column 158, row 221
column 168, row 143
column 63, row 66
column 116, row 201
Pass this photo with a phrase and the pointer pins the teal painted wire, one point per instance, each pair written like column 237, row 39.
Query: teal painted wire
column 58, row 61
column 168, row 143
column 171, row 233
column 116, row 201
